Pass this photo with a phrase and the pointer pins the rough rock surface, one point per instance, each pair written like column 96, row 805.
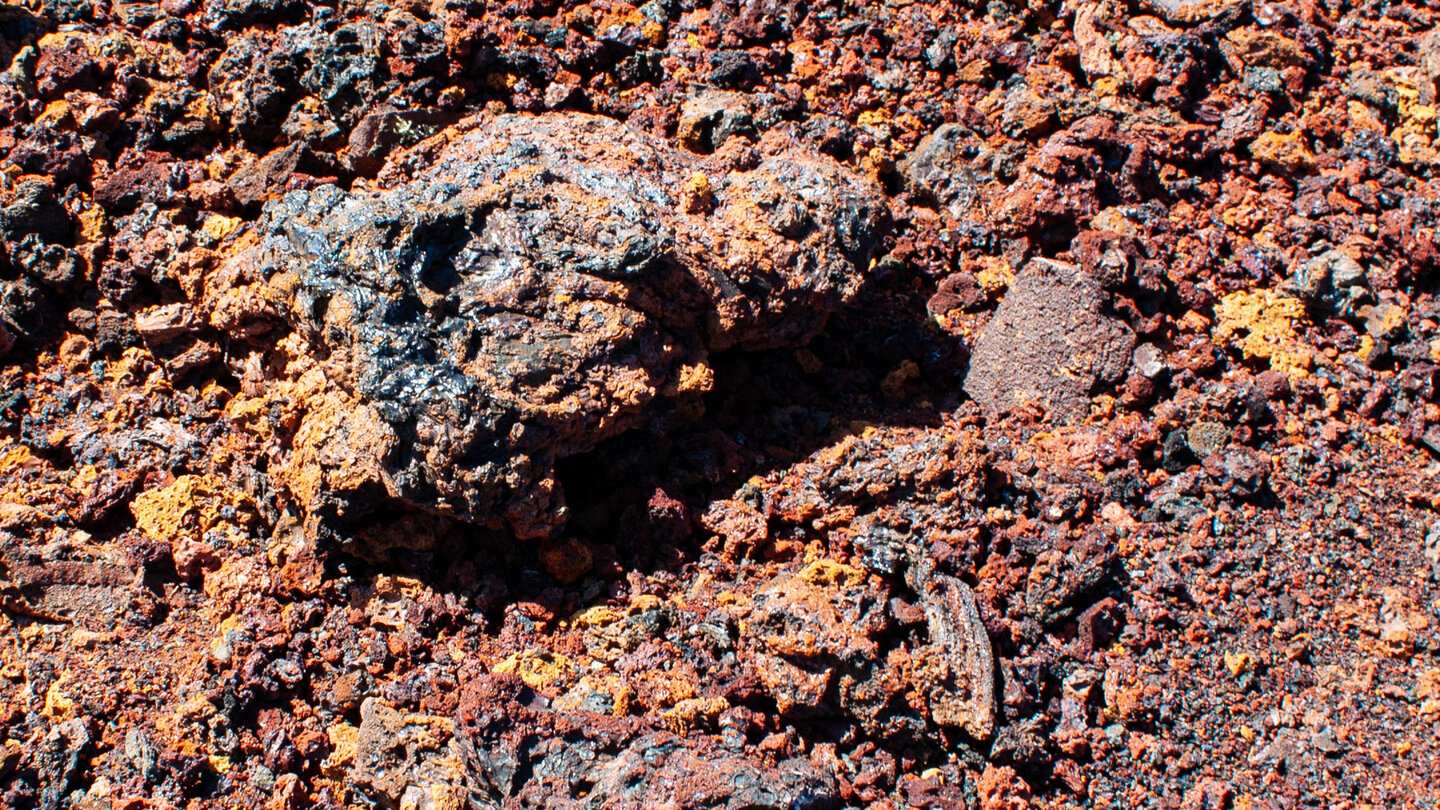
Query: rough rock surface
column 939, row 170
column 522, row 287
column 522, row 754
column 1220, row 589
column 1051, row 341
column 402, row 760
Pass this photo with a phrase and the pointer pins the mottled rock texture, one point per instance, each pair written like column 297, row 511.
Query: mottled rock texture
column 519, row 287
column 585, row 759
column 1052, row 341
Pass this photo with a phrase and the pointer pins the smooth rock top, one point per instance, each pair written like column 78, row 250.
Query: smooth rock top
column 520, row 287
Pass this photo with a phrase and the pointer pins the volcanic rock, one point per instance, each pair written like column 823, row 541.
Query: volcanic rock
column 520, row 287
column 584, row 759
column 1051, row 340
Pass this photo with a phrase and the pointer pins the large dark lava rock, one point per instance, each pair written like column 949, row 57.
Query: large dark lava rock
column 520, row 287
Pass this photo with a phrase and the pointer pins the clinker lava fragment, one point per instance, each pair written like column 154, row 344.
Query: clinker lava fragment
column 520, row 287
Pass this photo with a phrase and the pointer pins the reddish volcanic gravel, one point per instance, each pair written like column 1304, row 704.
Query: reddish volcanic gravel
column 449, row 405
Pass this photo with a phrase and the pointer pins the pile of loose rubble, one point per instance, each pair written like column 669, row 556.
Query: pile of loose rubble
column 753, row 405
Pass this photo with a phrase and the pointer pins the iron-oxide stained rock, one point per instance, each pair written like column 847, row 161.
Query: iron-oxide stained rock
column 520, row 753
column 399, row 757
column 957, row 668
column 938, row 171
column 1050, row 340
column 1190, row 12
column 519, row 287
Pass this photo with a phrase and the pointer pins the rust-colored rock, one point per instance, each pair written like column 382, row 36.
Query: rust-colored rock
column 522, row 287
column 604, row 761
column 1051, row 341
column 809, row 578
